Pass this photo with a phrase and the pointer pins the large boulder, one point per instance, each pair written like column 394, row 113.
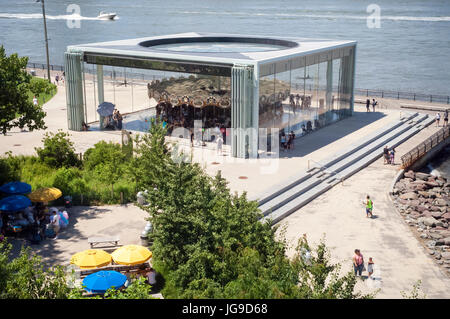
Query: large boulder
column 409, row 195
column 446, row 255
column 410, row 174
column 436, row 215
column 446, row 216
column 428, row 221
column 422, row 176
column 440, row 202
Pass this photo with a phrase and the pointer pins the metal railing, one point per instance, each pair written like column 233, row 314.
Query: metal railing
column 432, row 98
column 417, row 152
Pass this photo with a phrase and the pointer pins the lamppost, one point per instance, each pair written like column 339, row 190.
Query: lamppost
column 46, row 39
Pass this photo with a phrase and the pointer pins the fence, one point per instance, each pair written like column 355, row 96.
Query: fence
column 432, row 98
column 413, row 155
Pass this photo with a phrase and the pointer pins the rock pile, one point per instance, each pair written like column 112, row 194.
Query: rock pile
column 423, row 200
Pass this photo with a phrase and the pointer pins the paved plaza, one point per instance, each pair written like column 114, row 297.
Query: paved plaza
column 339, row 213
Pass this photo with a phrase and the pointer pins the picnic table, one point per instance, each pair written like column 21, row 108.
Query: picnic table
column 111, row 240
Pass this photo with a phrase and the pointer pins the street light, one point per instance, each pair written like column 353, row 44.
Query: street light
column 46, row 39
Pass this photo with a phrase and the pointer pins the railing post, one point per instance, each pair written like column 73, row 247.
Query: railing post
column 398, row 95
column 431, row 98
column 382, row 94
column 414, row 96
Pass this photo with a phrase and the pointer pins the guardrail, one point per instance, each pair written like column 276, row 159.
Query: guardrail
column 432, row 98
column 417, row 152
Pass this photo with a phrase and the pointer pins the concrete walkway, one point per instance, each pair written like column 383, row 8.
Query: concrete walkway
column 399, row 258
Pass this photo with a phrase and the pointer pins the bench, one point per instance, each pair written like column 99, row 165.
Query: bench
column 93, row 241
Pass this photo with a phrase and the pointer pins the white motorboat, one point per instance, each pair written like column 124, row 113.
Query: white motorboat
column 106, row 15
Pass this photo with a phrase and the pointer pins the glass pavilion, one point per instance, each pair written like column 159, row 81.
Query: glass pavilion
column 254, row 86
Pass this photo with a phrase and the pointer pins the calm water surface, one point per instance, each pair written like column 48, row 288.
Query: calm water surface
column 409, row 52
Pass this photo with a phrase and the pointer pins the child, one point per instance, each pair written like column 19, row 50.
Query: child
column 370, row 267
column 392, row 155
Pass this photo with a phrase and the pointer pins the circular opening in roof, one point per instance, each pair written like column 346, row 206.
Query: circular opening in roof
column 218, row 44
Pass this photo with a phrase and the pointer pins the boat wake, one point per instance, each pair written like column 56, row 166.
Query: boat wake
column 322, row 16
column 48, row 17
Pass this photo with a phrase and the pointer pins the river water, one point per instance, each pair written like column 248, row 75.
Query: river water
column 410, row 51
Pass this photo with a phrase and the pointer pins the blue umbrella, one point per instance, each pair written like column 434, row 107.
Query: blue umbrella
column 15, row 188
column 106, row 109
column 14, row 203
column 101, row 281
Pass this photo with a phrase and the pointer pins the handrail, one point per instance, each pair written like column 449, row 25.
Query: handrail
column 413, row 155
column 436, row 98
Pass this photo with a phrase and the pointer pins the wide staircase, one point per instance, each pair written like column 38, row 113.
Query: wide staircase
column 290, row 195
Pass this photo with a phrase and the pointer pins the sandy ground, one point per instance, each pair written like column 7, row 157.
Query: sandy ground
column 399, row 258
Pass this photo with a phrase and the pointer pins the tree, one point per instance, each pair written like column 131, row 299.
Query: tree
column 210, row 243
column 24, row 277
column 111, row 167
column 16, row 110
column 40, row 86
column 58, row 150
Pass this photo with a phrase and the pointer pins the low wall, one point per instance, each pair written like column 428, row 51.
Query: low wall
column 429, row 155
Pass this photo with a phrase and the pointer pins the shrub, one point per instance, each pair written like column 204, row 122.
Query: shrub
column 58, row 150
column 99, row 154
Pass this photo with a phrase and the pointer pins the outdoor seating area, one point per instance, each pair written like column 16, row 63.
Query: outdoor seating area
column 99, row 271
column 26, row 214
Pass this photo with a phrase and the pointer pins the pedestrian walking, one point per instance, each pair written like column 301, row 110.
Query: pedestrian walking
column 446, row 118
column 192, row 138
column 392, row 156
column 293, row 139
column 369, row 206
column 438, row 118
column 119, row 120
column 368, row 105
column 358, row 263
column 35, row 101
column 386, row 154
column 57, row 79
column 219, row 145
column 283, row 141
column 373, row 104
column 370, row 264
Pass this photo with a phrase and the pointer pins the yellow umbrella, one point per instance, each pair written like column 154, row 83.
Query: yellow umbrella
column 131, row 255
column 91, row 258
column 46, row 194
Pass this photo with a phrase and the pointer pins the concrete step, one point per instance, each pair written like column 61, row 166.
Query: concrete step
column 406, row 117
column 298, row 178
column 287, row 194
column 324, row 185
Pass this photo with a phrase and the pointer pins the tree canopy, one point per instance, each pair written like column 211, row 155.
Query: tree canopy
column 16, row 109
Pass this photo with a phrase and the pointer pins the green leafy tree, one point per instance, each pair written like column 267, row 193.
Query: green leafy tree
column 58, row 150
column 16, row 109
column 24, row 277
column 319, row 278
column 210, row 243
column 111, row 169
column 40, row 86
column 415, row 292
column 137, row 289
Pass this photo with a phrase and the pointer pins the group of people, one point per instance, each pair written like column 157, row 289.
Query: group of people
column 300, row 100
column 358, row 264
column 184, row 116
column 287, row 141
column 373, row 103
column 389, row 156
column 438, row 118
column 60, row 77
column 42, row 222
column 113, row 121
